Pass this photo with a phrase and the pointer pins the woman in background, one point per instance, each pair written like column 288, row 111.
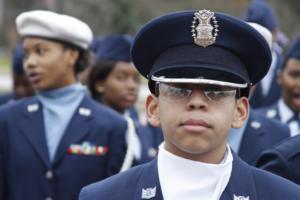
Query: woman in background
column 115, row 82
column 59, row 140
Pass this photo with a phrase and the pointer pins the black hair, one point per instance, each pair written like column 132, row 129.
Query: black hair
column 243, row 92
column 83, row 60
column 99, row 72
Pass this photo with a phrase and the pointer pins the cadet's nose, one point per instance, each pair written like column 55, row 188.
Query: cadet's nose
column 197, row 100
column 29, row 62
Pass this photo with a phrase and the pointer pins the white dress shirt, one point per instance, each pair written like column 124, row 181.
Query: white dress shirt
column 286, row 114
column 181, row 178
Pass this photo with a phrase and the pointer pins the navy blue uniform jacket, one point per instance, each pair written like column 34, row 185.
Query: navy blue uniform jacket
column 5, row 98
column 271, row 112
column 283, row 159
column 261, row 133
column 245, row 181
column 25, row 170
column 148, row 147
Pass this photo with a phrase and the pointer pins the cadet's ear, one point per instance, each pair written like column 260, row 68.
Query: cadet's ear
column 152, row 110
column 99, row 86
column 241, row 112
column 73, row 56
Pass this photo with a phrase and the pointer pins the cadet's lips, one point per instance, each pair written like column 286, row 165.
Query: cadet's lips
column 130, row 97
column 195, row 125
column 34, row 77
column 296, row 99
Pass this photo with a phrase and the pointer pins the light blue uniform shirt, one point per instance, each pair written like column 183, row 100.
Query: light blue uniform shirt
column 235, row 136
column 59, row 106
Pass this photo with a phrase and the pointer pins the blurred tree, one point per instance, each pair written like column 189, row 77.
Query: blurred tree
column 288, row 13
column 123, row 17
column 126, row 16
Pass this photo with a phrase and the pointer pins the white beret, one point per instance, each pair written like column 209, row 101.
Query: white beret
column 52, row 25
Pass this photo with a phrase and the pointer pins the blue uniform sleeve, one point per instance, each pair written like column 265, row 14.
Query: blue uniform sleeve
column 273, row 161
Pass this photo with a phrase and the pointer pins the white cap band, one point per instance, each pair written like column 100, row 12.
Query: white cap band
column 198, row 80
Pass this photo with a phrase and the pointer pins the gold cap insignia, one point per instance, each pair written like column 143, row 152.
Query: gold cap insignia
column 203, row 32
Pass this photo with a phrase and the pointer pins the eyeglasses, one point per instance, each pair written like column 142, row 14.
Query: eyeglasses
column 178, row 92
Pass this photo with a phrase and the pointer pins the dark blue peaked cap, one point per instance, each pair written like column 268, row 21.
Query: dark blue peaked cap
column 294, row 50
column 260, row 12
column 95, row 44
column 165, row 47
column 115, row 47
column 17, row 62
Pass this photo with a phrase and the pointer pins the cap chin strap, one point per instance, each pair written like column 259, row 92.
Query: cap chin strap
column 198, row 80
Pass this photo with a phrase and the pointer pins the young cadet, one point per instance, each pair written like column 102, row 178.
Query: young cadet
column 199, row 73
column 53, row 144
column 287, row 108
column 115, row 82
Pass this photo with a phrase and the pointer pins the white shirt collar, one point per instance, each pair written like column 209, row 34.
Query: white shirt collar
column 181, row 178
column 285, row 112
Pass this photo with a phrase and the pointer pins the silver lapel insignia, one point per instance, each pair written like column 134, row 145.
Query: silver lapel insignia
column 255, row 124
column 240, row 197
column 148, row 193
column 271, row 113
column 85, row 111
column 33, row 107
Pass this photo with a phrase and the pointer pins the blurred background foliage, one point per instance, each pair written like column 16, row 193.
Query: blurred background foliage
column 126, row 16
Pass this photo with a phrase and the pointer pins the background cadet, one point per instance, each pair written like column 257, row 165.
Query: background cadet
column 287, row 108
column 115, row 82
column 258, row 132
column 267, row 91
column 53, row 144
column 199, row 78
column 21, row 85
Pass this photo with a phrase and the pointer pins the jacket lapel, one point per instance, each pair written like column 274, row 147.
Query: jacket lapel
column 241, row 182
column 77, row 129
column 32, row 126
column 148, row 184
